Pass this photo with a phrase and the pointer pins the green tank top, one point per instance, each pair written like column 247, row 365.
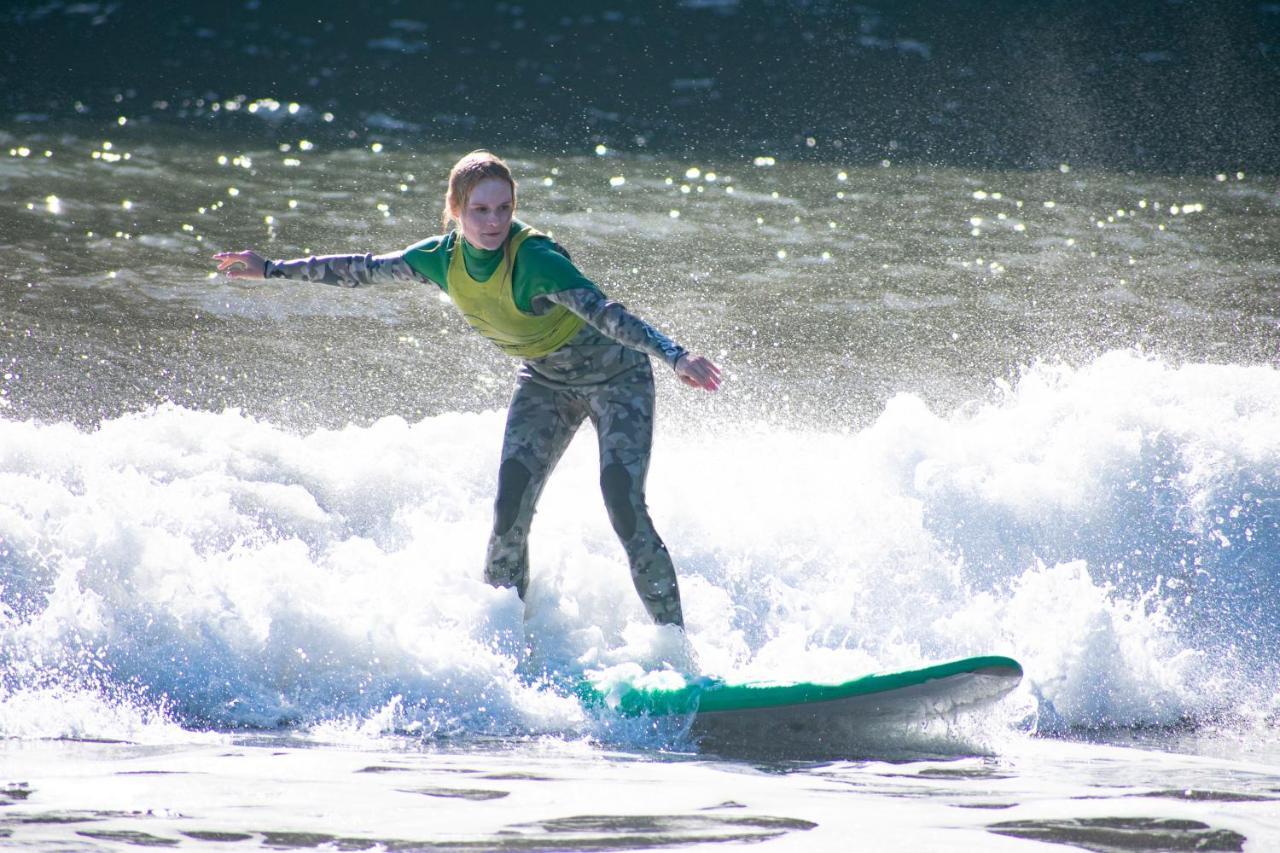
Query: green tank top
column 490, row 306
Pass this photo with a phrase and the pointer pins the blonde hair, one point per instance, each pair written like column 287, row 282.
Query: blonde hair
column 466, row 174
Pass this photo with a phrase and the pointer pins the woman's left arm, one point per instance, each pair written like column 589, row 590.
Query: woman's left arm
column 614, row 320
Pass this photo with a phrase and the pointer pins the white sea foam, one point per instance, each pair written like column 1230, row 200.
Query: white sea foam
column 1110, row 526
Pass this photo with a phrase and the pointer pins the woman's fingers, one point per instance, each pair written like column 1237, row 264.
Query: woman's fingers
column 698, row 372
column 707, row 374
column 230, row 259
column 237, row 264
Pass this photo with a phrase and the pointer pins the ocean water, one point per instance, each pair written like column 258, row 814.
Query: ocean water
column 966, row 412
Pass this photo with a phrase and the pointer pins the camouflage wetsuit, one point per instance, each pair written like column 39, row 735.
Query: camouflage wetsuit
column 602, row 373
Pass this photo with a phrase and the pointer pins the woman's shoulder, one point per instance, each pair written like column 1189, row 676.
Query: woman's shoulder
column 430, row 257
column 544, row 266
column 539, row 245
column 438, row 243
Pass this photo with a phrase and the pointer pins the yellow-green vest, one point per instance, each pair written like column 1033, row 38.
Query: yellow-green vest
column 490, row 306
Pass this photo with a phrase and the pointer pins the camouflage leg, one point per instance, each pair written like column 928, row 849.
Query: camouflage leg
column 622, row 412
column 540, row 423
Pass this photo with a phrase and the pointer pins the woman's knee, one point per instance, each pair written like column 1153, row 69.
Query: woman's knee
column 624, row 503
column 513, row 483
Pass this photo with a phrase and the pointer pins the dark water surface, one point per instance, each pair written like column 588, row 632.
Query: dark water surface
column 1156, row 85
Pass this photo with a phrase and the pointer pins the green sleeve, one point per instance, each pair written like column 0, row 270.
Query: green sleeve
column 430, row 258
column 543, row 267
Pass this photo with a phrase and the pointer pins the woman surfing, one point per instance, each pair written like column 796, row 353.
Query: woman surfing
column 582, row 357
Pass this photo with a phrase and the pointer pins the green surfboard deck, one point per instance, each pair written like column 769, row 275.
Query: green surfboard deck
column 975, row 681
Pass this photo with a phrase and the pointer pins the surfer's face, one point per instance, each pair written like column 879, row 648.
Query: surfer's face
column 486, row 214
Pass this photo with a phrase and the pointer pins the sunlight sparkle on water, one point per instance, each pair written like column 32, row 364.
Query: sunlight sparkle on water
column 108, row 155
column 268, row 104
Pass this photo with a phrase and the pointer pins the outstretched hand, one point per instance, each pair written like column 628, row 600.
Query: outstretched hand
column 248, row 264
column 698, row 372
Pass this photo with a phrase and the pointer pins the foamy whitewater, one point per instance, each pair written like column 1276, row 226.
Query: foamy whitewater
column 1111, row 527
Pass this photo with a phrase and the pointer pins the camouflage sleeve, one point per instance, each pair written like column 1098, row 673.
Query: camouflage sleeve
column 614, row 320
column 345, row 270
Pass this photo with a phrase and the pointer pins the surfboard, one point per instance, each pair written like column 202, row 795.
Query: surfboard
column 721, row 707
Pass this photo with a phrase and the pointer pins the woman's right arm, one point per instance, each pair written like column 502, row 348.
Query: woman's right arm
column 339, row 270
